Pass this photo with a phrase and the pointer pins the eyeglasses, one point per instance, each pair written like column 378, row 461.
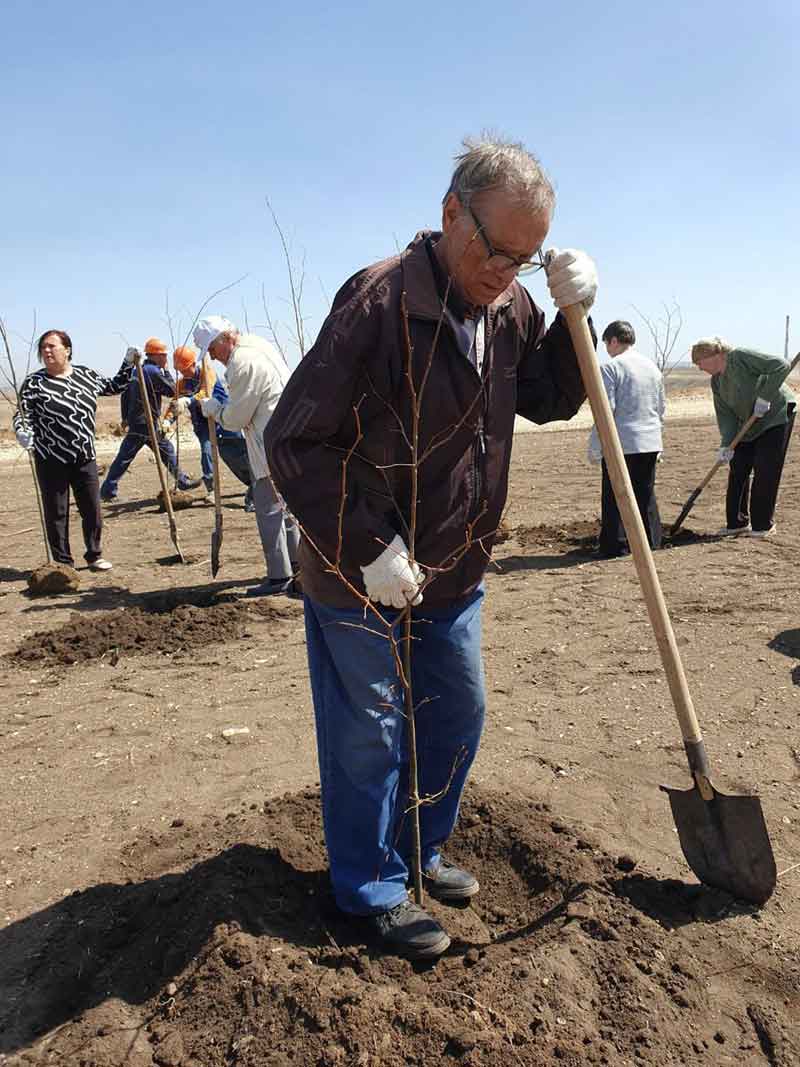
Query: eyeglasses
column 504, row 261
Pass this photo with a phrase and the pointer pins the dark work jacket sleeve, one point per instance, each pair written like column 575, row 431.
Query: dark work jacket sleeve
column 549, row 383
column 308, row 437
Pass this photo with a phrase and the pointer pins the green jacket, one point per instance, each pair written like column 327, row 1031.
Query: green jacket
column 748, row 375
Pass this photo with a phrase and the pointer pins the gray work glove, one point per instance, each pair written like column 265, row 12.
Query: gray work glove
column 131, row 355
column 25, row 439
column 724, row 455
column 761, row 407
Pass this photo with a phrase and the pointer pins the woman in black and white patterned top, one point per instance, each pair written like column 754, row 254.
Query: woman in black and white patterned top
column 56, row 419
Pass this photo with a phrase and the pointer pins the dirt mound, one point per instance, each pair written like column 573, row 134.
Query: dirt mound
column 181, row 499
column 52, row 579
column 162, row 622
column 224, row 948
column 581, row 534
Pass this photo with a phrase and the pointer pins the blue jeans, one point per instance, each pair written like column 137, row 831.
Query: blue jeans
column 133, row 441
column 232, row 452
column 361, row 741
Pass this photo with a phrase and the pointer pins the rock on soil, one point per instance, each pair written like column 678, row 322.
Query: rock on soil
column 53, row 578
column 224, row 947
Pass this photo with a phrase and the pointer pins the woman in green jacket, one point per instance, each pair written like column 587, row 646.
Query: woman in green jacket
column 745, row 383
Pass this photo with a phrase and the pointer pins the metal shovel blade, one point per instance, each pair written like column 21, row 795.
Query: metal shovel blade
column 725, row 842
column 216, row 545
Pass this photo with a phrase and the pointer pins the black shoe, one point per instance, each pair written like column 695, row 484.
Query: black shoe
column 408, row 930
column 273, row 587
column 189, row 483
column 449, row 883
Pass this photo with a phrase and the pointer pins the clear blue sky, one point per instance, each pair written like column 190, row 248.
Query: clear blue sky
column 140, row 139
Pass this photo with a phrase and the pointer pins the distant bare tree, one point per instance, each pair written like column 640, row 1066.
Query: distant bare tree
column 664, row 332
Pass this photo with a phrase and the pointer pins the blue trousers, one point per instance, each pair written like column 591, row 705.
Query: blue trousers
column 361, row 741
column 232, row 452
column 132, row 442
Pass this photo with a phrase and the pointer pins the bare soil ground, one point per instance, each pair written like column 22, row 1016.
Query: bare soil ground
column 163, row 898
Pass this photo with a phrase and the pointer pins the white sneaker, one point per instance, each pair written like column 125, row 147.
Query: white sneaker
column 100, row 565
column 763, row 533
column 733, row 531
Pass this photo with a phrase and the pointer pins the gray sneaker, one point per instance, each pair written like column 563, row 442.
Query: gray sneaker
column 408, row 930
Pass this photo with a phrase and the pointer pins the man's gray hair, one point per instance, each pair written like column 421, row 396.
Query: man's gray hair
column 492, row 163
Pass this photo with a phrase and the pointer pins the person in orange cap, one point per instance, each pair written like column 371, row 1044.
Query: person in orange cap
column 232, row 446
column 160, row 383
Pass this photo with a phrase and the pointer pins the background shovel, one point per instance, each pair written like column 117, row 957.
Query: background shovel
column 151, row 429
column 208, row 379
column 687, row 507
column 724, row 838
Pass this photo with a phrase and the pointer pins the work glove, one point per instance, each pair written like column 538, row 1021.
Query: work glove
column 761, row 407
column 25, row 439
column 393, row 579
column 131, row 355
column 724, row 455
column 210, row 407
column 182, row 405
column 571, row 277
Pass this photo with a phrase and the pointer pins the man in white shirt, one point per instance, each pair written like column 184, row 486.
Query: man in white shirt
column 256, row 375
column 635, row 389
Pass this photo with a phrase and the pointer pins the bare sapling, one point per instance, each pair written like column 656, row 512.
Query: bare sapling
column 399, row 631
column 664, row 333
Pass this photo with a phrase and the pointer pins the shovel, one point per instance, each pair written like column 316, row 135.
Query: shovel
column 151, row 429
column 687, row 507
column 207, row 385
column 724, row 838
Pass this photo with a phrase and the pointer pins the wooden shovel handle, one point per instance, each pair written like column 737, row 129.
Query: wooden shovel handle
column 632, row 520
column 151, row 429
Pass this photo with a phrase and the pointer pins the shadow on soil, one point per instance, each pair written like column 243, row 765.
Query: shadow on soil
column 127, row 941
column 788, row 643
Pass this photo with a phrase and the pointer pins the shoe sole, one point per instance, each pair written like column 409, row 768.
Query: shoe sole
column 411, row 953
column 452, row 895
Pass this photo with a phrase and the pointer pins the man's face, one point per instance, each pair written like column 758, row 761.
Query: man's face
column 614, row 346
column 159, row 358
column 221, row 348
column 503, row 225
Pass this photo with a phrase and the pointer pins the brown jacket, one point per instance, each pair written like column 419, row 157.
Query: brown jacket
column 353, row 380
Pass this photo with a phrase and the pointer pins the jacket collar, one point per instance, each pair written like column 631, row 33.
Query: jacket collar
column 425, row 292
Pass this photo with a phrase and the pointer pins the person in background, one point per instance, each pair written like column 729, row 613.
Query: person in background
column 56, row 418
column 231, row 443
column 635, row 389
column 745, row 383
column 160, row 384
column 256, row 375
column 449, row 314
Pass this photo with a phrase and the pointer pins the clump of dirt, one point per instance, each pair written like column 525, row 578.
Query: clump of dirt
column 164, row 622
column 224, row 947
column 180, row 499
column 572, row 535
column 52, row 579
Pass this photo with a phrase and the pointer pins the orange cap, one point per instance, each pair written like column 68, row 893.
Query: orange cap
column 154, row 346
column 184, row 359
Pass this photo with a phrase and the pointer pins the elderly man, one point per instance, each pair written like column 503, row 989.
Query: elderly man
column 635, row 389
column 160, row 384
column 255, row 376
column 449, row 315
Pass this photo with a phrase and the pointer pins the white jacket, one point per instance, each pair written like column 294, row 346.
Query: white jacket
column 256, row 375
column 635, row 389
